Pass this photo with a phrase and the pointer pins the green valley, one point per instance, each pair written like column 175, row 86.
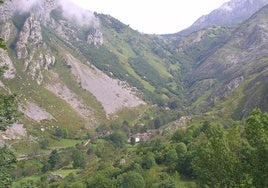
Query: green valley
column 97, row 104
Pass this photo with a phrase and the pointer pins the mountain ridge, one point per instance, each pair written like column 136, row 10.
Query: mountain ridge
column 229, row 14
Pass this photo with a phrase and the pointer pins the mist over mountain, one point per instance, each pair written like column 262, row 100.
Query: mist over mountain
column 229, row 14
column 42, row 8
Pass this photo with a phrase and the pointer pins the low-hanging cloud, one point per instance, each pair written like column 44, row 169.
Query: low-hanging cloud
column 75, row 13
column 70, row 10
column 25, row 5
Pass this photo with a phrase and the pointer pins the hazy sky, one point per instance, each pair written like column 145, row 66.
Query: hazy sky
column 153, row 16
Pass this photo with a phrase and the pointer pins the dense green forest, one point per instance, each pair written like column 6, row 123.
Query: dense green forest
column 201, row 155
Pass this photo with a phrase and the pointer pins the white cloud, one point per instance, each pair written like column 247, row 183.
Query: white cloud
column 71, row 11
column 77, row 14
column 25, row 5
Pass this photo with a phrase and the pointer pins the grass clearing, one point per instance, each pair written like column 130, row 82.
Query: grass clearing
column 64, row 143
column 17, row 184
column 66, row 172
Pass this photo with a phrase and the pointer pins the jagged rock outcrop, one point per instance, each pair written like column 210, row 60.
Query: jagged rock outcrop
column 30, row 47
column 6, row 31
column 95, row 37
column 30, row 35
column 5, row 60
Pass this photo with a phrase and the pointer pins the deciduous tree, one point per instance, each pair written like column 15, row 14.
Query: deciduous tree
column 257, row 136
column 215, row 163
column 131, row 179
column 54, row 159
column 7, row 160
column 79, row 159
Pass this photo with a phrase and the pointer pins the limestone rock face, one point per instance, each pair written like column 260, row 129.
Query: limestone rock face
column 6, row 30
column 30, row 34
column 30, row 48
column 95, row 37
column 41, row 8
column 5, row 60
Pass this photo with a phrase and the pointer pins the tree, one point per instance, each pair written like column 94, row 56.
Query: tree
column 181, row 150
column 132, row 141
column 171, row 159
column 8, row 110
column 173, row 104
column 61, row 133
column 168, row 183
column 157, row 123
column 54, row 159
column 164, row 180
column 99, row 181
column 44, row 143
column 131, row 179
column 257, row 136
column 148, row 161
column 118, row 138
column 79, row 159
column 215, row 164
column 46, row 167
column 7, row 161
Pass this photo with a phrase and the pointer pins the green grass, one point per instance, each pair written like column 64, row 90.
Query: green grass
column 28, row 90
column 66, row 172
column 129, row 115
column 158, row 64
column 146, row 84
column 64, row 143
column 21, row 147
column 18, row 183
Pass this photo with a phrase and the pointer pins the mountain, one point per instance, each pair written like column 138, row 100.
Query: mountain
column 229, row 14
column 86, row 83
column 71, row 67
column 234, row 71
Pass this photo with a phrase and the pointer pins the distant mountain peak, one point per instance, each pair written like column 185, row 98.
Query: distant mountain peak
column 229, row 14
